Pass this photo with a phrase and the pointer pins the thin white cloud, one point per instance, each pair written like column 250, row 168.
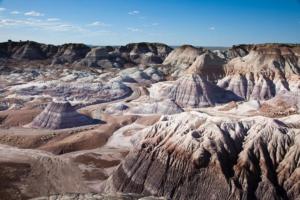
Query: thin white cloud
column 134, row 12
column 151, row 25
column 41, row 24
column 212, row 28
column 34, row 14
column 15, row 12
column 53, row 19
column 54, row 26
column 34, row 20
column 134, row 29
column 2, row 9
column 98, row 23
column 8, row 22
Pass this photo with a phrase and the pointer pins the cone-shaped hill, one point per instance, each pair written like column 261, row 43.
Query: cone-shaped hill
column 192, row 90
column 60, row 115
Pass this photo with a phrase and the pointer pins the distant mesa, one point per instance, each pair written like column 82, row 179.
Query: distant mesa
column 82, row 55
column 30, row 50
column 60, row 115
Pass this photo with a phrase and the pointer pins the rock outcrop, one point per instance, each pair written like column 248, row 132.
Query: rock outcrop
column 59, row 115
column 68, row 53
column 194, row 156
column 30, row 50
column 103, row 57
column 145, row 53
column 16, row 50
column 237, row 51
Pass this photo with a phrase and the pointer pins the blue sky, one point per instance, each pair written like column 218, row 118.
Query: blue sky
column 174, row 22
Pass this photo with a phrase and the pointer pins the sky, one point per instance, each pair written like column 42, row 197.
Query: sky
column 174, row 22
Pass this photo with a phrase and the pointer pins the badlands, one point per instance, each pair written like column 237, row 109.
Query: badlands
column 146, row 121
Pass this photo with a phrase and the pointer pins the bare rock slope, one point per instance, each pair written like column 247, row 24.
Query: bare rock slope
column 193, row 156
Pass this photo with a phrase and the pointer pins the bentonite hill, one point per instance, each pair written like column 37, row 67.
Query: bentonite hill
column 146, row 121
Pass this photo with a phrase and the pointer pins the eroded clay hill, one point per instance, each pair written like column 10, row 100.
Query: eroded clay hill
column 264, row 72
column 194, row 156
column 250, row 71
column 59, row 115
column 193, row 90
column 189, row 59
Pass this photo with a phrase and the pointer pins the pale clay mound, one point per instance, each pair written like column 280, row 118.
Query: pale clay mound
column 136, row 75
column 77, row 92
column 59, row 115
column 166, row 107
column 194, row 156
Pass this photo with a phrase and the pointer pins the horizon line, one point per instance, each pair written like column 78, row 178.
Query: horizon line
column 175, row 45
